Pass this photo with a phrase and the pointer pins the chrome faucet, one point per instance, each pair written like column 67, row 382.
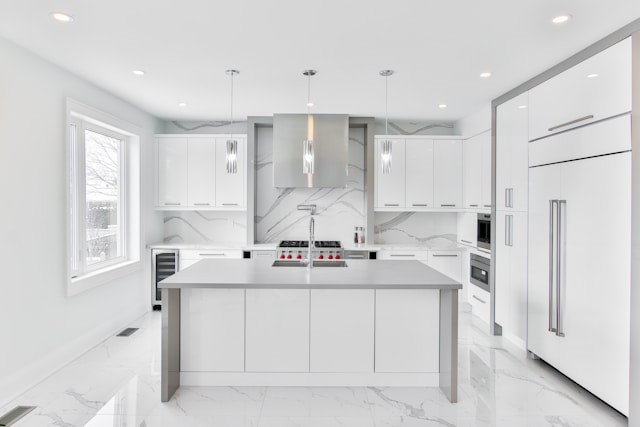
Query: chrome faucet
column 312, row 212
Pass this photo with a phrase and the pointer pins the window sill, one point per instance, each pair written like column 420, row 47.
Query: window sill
column 101, row 277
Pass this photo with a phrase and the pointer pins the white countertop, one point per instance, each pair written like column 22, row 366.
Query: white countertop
column 347, row 246
column 259, row 274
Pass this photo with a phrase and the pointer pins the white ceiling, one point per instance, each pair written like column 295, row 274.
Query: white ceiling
column 437, row 48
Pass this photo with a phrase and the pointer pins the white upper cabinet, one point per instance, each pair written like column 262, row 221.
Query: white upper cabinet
column 390, row 187
column 595, row 89
column 230, row 187
column 172, row 172
column 419, row 173
column 472, row 174
column 447, row 174
column 201, row 190
column 425, row 175
column 512, row 148
column 192, row 173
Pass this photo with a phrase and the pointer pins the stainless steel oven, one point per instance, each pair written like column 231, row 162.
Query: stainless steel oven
column 484, row 231
column 479, row 268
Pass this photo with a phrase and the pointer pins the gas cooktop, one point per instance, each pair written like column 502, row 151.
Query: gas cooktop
column 305, row 244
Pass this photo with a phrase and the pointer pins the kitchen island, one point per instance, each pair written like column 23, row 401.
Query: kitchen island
column 244, row 322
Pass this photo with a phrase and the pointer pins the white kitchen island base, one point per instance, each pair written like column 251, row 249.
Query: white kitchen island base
column 370, row 324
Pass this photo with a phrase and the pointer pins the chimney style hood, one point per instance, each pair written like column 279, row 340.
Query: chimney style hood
column 330, row 146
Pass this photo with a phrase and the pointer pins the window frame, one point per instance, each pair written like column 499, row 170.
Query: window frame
column 80, row 275
column 79, row 202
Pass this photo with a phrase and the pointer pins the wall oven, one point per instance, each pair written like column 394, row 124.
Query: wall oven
column 484, row 231
column 479, row 267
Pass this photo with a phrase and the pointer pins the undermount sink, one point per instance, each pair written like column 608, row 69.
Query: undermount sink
column 291, row 263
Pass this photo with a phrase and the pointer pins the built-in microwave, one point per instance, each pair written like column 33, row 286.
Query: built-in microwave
column 479, row 268
column 484, row 231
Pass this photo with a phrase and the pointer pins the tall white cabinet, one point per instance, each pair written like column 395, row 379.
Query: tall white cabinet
column 512, row 168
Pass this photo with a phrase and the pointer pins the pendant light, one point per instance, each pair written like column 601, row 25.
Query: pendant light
column 308, row 156
column 385, row 152
column 231, row 159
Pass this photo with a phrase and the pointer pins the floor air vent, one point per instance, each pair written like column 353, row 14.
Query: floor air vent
column 14, row 415
column 127, row 332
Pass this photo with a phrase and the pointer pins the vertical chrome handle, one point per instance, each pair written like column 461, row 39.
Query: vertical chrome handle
column 506, row 230
column 551, row 205
column 559, row 331
column 510, row 243
column 506, row 197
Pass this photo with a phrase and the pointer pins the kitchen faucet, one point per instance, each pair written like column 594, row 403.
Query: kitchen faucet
column 312, row 212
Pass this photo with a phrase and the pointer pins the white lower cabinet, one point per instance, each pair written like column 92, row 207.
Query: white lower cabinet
column 277, row 330
column 212, row 330
column 407, row 330
column 342, row 325
column 468, row 228
column 402, row 254
column 447, row 262
column 189, row 257
column 480, row 302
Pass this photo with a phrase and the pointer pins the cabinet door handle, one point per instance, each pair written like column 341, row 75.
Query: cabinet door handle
column 571, row 122
column 355, row 256
column 473, row 206
column 446, row 256
column 552, row 203
column 391, row 204
column 419, row 204
column 229, row 204
column 202, row 204
column 465, row 241
column 403, row 255
column 475, row 297
column 448, row 206
column 213, row 254
column 487, row 206
column 559, row 331
column 172, row 204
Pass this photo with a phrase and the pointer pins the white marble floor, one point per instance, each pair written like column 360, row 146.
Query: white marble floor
column 118, row 384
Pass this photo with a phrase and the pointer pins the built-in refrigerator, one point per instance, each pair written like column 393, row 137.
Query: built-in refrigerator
column 579, row 255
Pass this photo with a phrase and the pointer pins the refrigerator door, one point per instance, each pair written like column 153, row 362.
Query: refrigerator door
column 595, row 267
column 579, row 241
column 545, row 189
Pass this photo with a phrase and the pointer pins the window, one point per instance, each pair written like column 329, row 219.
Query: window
column 103, row 210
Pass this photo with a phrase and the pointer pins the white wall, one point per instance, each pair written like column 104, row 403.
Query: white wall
column 475, row 123
column 40, row 327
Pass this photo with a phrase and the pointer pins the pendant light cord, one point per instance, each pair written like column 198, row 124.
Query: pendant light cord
column 386, row 105
column 231, row 113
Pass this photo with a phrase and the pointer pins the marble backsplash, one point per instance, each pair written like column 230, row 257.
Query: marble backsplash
column 422, row 228
column 205, row 227
column 339, row 210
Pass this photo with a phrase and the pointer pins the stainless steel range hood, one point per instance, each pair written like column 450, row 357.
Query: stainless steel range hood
column 330, row 145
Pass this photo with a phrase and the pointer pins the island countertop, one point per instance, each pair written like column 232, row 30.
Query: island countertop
column 260, row 274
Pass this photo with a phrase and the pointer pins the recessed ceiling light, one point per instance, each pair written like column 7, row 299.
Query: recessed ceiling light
column 139, row 72
column 62, row 17
column 561, row 19
column 442, row 105
column 485, row 74
column 182, row 104
column 591, row 76
column 522, row 107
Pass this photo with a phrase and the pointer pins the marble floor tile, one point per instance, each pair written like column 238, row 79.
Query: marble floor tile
column 117, row 383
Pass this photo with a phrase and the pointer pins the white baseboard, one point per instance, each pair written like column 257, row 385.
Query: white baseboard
column 249, row 379
column 34, row 373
